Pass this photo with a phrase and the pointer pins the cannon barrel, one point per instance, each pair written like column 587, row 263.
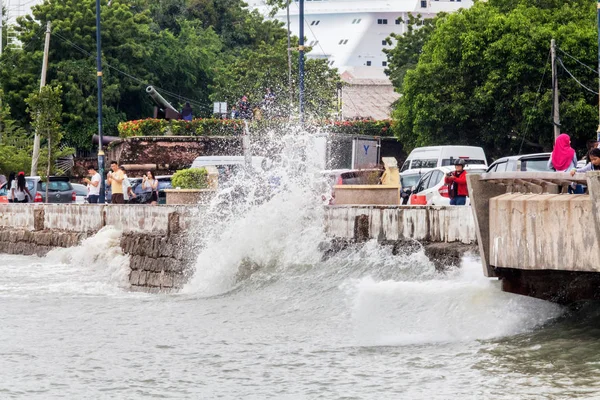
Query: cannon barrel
column 106, row 140
column 158, row 99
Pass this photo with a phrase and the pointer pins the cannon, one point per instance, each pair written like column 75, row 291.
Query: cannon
column 163, row 109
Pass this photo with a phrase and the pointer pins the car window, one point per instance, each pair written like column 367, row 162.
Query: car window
column 436, row 177
column 425, row 163
column 405, row 166
column 81, row 191
column 3, row 191
column 30, row 185
column 501, row 167
column 423, row 182
column 410, row 180
column 535, row 164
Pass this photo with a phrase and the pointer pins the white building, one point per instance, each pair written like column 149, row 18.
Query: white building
column 351, row 35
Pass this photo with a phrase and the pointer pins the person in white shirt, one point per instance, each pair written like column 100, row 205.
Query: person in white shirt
column 127, row 192
column 93, row 185
column 10, row 184
column 20, row 192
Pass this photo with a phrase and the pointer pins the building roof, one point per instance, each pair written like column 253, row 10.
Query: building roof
column 367, row 93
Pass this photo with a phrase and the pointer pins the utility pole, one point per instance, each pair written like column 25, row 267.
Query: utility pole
column 289, row 54
column 301, row 60
column 36, row 139
column 598, row 17
column 555, row 92
column 101, row 198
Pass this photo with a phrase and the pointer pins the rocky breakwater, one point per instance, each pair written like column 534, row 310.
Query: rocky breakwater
column 445, row 233
column 155, row 238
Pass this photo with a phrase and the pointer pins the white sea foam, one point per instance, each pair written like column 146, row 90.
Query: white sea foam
column 460, row 306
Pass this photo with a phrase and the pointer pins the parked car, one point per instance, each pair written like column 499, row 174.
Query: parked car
column 431, row 186
column 4, row 193
column 60, row 190
column 164, row 182
column 425, row 158
column 81, row 193
column 527, row 162
column 408, row 182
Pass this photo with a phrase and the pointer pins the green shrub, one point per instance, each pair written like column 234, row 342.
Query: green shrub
column 192, row 178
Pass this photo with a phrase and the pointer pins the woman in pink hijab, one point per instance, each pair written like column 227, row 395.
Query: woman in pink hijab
column 563, row 156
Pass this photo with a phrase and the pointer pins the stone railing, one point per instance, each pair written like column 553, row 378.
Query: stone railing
column 528, row 228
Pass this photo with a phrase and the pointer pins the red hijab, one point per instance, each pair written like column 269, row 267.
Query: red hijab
column 563, row 153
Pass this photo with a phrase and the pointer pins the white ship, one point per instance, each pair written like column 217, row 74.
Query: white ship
column 352, row 33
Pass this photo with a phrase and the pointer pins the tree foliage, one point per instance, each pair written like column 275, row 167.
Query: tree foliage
column 476, row 81
column 188, row 49
column 405, row 55
column 15, row 145
column 45, row 108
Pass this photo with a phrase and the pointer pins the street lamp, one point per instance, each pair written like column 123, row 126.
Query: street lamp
column 99, row 75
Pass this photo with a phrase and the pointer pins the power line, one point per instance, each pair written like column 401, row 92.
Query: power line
column 576, row 60
column 575, row 79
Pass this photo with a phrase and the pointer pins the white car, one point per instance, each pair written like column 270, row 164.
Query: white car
column 81, row 193
column 432, row 190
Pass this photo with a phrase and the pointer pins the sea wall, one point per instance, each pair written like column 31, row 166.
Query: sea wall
column 155, row 238
column 391, row 223
column 445, row 233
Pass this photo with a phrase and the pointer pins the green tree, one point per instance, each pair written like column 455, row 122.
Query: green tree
column 405, row 55
column 477, row 79
column 253, row 71
column 45, row 108
column 15, row 145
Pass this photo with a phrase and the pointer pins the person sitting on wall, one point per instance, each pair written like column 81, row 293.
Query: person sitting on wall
column 115, row 180
column 457, row 184
column 593, row 165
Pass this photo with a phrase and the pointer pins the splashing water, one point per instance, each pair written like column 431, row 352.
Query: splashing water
column 273, row 219
column 460, row 306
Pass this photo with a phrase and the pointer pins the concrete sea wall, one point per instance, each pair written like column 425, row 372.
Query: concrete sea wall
column 155, row 238
column 162, row 249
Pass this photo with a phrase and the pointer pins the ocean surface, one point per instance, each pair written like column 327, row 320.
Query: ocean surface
column 362, row 325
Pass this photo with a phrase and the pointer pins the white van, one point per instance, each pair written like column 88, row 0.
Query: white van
column 442, row 156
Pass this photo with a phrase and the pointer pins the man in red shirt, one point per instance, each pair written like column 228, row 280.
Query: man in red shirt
column 457, row 184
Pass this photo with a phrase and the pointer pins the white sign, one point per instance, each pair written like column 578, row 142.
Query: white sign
column 219, row 108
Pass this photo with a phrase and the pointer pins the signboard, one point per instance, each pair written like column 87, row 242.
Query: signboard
column 220, row 108
column 366, row 152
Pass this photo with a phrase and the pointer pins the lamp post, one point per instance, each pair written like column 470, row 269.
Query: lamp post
column 301, row 60
column 101, row 199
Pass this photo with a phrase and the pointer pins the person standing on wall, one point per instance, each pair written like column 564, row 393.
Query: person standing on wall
column 115, row 180
column 93, row 185
column 457, row 184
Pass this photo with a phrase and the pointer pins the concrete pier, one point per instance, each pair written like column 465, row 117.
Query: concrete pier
column 538, row 240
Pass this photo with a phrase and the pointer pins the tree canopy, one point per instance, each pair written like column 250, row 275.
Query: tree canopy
column 191, row 50
column 477, row 79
